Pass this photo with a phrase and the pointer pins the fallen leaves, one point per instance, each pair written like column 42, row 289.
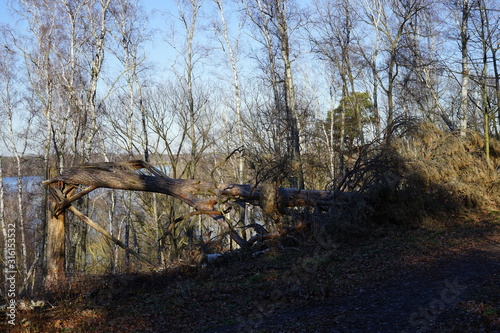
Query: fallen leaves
column 248, row 290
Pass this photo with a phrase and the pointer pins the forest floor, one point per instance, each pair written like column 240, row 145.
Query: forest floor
column 442, row 278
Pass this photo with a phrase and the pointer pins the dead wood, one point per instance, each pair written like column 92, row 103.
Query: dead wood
column 206, row 197
column 103, row 231
column 202, row 195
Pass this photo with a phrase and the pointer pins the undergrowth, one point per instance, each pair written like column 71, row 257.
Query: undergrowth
column 415, row 176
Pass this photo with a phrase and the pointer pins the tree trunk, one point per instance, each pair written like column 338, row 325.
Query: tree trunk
column 204, row 196
column 484, row 106
column 55, row 249
column 464, row 39
column 292, row 118
column 2, row 209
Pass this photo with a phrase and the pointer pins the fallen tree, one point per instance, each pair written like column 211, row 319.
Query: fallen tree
column 202, row 195
column 412, row 175
column 205, row 197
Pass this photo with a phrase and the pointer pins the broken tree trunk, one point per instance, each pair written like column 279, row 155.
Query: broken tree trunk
column 56, row 234
column 202, row 195
column 55, row 249
column 206, row 197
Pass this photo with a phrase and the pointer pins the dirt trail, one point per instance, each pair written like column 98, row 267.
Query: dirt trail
column 429, row 299
column 423, row 280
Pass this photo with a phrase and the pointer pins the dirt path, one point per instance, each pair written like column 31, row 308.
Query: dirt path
column 424, row 280
column 436, row 298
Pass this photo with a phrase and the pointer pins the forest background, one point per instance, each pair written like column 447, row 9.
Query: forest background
column 288, row 93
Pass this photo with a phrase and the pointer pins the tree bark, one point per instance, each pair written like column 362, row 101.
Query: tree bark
column 206, row 197
column 464, row 40
column 202, row 195
column 55, row 249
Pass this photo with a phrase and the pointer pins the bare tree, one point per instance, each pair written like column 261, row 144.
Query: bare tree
column 491, row 20
column 131, row 36
column 36, row 47
column 272, row 20
column 334, row 41
column 98, row 15
column 16, row 133
column 230, row 49
column 190, row 106
column 373, row 15
column 63, row 47
column 487, row 85
column 464, row 46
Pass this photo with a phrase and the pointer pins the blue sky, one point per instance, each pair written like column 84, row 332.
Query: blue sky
column 154, row 9
column 149, row 5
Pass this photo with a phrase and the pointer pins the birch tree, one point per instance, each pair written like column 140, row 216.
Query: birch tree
column 272, row 20
column 16, row 143
column 464, row 48
column 191, row 103
column 63, row 46
column 370, row 11
column 130, row 36
column 36, row 47
column 333, row 40
column 491, row 19
column 230, row 48
column 487, row 45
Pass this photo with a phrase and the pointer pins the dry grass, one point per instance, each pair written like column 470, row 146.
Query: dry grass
column 417, row 175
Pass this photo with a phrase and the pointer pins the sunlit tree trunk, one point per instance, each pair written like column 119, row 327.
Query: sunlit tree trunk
column 190, row 103
column 17, row 143
column 2, row 209
column 484, row 78
column 271, row 18
column 464, row 42
column 55, row 251
column 493, row 47
column 231, row 55
column 190, row 27
column 99, row 39
column 372, row 10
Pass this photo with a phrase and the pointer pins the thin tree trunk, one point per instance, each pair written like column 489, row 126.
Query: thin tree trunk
column 22, row 229
column 127, row 229
column 484, row 106
column 95, row 71
column 291, row 105
column 237, row 105
column 190, row 28
column 390, row 92
column 103, row 231
column 464, row 39
column 236, row 85
column 2, row 208
column 111, row 220
column 494, row 59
